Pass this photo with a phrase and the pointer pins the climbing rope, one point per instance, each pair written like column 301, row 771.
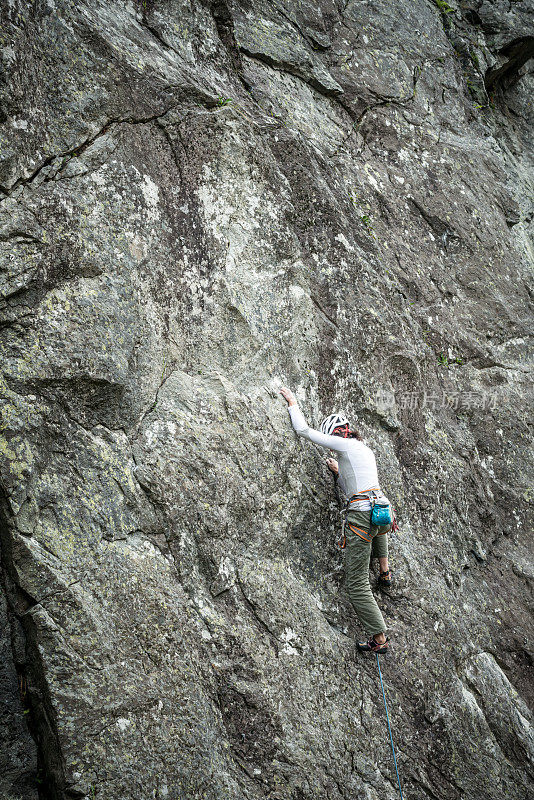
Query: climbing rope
column 389, row 726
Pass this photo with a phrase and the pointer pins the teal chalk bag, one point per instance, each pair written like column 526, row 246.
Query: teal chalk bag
column 381, row 511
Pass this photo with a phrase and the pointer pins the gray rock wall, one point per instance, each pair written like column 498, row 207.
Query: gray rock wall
column 200, row 202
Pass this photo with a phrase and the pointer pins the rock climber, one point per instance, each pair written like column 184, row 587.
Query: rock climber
column 356, row 475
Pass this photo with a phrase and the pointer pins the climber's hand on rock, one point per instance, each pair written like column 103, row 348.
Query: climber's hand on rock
column 289, row 396
column 331, row 463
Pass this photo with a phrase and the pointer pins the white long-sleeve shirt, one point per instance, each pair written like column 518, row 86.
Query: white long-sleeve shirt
column 356, row 461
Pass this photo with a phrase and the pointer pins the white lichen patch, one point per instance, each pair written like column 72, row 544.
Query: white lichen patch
column 344, row 241
column 20, row 124
column 151, row 194
column 288, row 636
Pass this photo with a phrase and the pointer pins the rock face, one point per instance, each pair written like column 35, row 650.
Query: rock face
column 200, row 202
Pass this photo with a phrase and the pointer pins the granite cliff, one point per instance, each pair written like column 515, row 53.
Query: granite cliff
column 199, row 202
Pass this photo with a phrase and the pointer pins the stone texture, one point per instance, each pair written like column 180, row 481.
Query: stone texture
column 200, row 202
column 18, row 756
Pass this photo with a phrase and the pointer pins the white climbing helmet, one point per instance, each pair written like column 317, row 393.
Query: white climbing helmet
column 333, row 421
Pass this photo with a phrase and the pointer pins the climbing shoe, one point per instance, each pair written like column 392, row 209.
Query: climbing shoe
column 385, row 580
column 373, row 646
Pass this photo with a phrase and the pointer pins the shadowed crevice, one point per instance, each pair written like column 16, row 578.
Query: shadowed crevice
column 40, row 716
column 517, row 54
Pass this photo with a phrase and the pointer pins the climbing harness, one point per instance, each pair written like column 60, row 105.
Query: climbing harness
column 380, row 502
column 389, row 726
column 382, row 512
column 364, row 495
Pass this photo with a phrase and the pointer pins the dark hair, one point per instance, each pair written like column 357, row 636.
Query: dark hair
column 343, row 430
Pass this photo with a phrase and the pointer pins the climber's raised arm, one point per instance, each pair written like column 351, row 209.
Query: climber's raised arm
column 302, row 428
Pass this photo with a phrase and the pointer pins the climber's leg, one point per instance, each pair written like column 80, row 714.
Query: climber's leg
column 380, row 551
column 380, row 548
column 357, row 556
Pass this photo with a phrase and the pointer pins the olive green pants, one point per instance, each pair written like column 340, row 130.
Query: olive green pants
column 363, row 542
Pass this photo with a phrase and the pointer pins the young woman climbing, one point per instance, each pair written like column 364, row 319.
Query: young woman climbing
column 357, row 476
